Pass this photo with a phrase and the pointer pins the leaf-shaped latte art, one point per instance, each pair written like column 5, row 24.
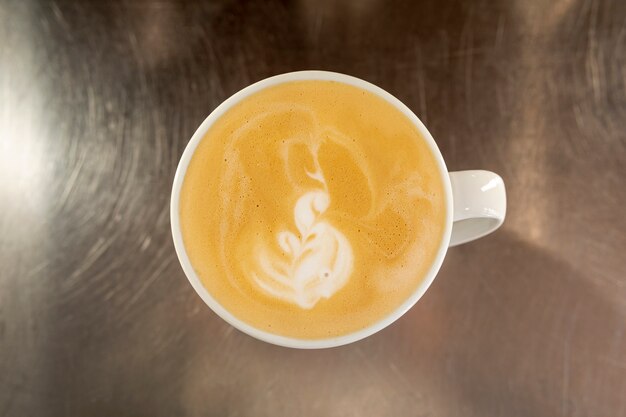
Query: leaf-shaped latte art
column 319, row 259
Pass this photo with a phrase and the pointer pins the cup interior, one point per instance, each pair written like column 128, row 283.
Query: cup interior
column 195, row 280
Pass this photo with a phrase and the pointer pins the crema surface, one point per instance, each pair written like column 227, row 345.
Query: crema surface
column 312, row 209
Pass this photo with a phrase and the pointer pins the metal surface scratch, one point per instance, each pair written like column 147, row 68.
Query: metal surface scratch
column 567, row 343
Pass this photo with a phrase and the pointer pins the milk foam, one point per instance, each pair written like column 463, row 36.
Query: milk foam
column 318, row 260
column 312, row 209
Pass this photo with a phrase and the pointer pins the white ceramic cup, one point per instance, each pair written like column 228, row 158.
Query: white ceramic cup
column 475, row 207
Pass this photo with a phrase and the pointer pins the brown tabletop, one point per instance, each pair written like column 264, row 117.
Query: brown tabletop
column 97, row 102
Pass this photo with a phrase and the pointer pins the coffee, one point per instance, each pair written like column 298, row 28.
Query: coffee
column 312, row 209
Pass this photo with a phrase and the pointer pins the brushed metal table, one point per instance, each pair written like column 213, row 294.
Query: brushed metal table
column 97, row 101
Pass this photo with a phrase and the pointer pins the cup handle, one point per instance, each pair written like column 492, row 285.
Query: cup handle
column 479, row 204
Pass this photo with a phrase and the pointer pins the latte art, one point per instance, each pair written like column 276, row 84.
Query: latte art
column 319, row 259
column 312, row 209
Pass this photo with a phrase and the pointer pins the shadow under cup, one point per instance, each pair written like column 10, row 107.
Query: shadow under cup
column 268, row 336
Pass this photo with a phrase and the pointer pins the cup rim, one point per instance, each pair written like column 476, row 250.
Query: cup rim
column 226, row 315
